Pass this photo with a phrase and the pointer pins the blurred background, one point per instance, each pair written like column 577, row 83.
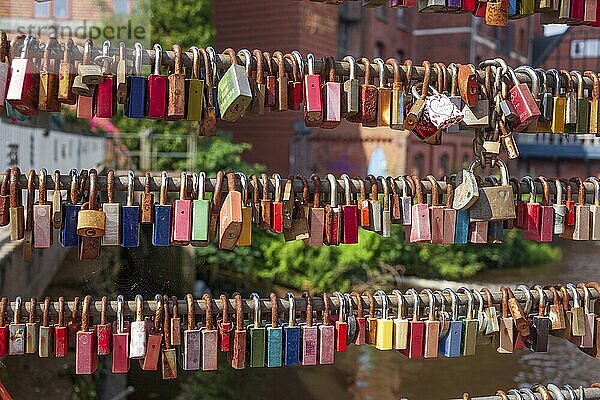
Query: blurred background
column 279, row 142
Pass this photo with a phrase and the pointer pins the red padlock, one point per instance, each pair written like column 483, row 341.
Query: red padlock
column 157, row 88
column 224, row 326
column 4, row 67
column 277, row 207
column 296, row 89
column 349, row 214
column 416, row 330
column 313, row 105
column 532, row 214
column 86, row 356
column 520, row 206
column 23, row 89
column 546, row 214
column 523, row 101
column 4, row 333
column 60, row 331
column 106, row 102
column 104, row 330
column 120, row 342
column 182, row 215
column 270, row 82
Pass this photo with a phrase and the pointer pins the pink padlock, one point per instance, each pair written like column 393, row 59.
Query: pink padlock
column 420, row 230
column 182, row 216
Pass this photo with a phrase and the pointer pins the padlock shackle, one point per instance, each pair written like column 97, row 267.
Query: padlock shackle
column 310, row 60
column 384, row 303
column 432, row 304
column 120, row 318
column 256, row 309
column 291, row 308
column 528, row 298
column 347, row 191
column 386, row 193
column 325, row 312
column 195, row 62
column 382, row 71
column 208, row 312
column 300, row 62
column 535, row 81
column 247, row 60
column 158, row 50
column 42, row 197
column 541, row 301
column 351, row 65
column 32, row 308
column 402, row 306
column 277, row 187
column 470, row 301
column 532, row 191
column 371, row 302
column 580, row 87
column 416, row 304
column 309, row 308
column 130, row 189
column 454, row 302
column 342, row 316
column 596, row 184
column 332, row 190
column 575, row 294
column 453, row 78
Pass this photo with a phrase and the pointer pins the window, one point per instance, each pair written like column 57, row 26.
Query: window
column 41, row 10
column 61, row 9
column 121, row 7
column 382, row 13
column 379, row 50
column 400, row 18
column 419, row 164
column 444, row 164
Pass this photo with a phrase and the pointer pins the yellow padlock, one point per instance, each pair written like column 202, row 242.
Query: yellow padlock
column 385, row 326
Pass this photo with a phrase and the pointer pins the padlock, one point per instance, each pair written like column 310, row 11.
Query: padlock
column 86, row 356
column 215, row 209
column 4, row 68
column 400, row 329
column 120, row 342
column 532, row 213
column 263, row 217
column 506, row 326
column 270, row 81
column 546, row 214
column 375, row 223
column 368, row 99
column 257, row 106
column 557, row 124
column 395, row 202
column 570, row 211
column 194, row 89
column 433, row 6
column 451, row 343
column 589, row 339
column 560, row 209
column 209, row 335
column 494, row 203
column 436, row 212
column 326, row 342
column 313, row 104
column 578, row 319
column 416, row 330
column 470, row 326
column 294, row 89
column 288, row 200
column 135, row 102
column 350, row 215
column 68, row 231
column 524, row 102
column 570, row 103
column 281, row 85
column 175, row 323
column 90, row 73
column 130, row 216
column 292, row 335
column 230, row 217
column 556, row 313
column 182, row 215
column 176, row 87
column 42, row 211
column 200, row 212
column 364, row 206
column 169, row 353
column 191, row 339
column 496, row 13
column 31, row 328
column 275, row 213
column 449, row 216
column 44, row 337
column 23, row 89
column 594, row 120
column 454, row 95
column 106, row 104
column 208, row 123
column 478, row 115
column 308, row 351
column 540, row 325
column 245, row 237
column 519, row 316
column 224, row 326
column 121, row 77
column 16, row 341
column 386, row 212
column 211, row 58
column 331, row 97
column 583, row 105
column 257, row 335
column 154, row 335
column 385, row 325
column 351, row 320
column 384, row 96
column 492, row 326
column 595, row 210
column 48, row 87
column 299, row 209
column 60, row 331
column 581, row 228
column 5, row 198
column 28, row 232
column 4, row 332
column 416, row 110
column 161, row 228
column 341, row 324
column 316, row 216
column 91, row 220
column 157, row 88
column 432, row 327
column 237, row 355
column 137, row 331
column 421, row 221
column 274, row 355
column 361, row 322
column 351, row 90
column 546, row 103
column 398, row 93
column 234, row 94
column 147, row 202
column 103, row 331
column 333, row 215
column 57, row 213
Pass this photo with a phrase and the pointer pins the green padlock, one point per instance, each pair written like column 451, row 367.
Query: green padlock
column 200, row 211
column 257, row 336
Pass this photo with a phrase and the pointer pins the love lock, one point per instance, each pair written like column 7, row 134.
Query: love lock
column 495, row 203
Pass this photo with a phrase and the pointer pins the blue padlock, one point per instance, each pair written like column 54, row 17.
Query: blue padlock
column 130, row 227
column 161, row 229
column 462, row 226
column 451, row 342
column 274, row 336
column 292, row 335
column 135, row 105
column 68, row 230
column 215, row 79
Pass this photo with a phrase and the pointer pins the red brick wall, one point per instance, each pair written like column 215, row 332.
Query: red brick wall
column 560, row 57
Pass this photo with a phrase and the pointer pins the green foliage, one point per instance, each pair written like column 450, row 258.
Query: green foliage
column 299, row 266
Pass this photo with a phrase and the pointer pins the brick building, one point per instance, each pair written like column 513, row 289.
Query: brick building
column 351, row 29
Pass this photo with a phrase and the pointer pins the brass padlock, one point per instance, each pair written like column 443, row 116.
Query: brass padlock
column 91, row 220
column 494, row 203
column 16, row 210
column 91, row 73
